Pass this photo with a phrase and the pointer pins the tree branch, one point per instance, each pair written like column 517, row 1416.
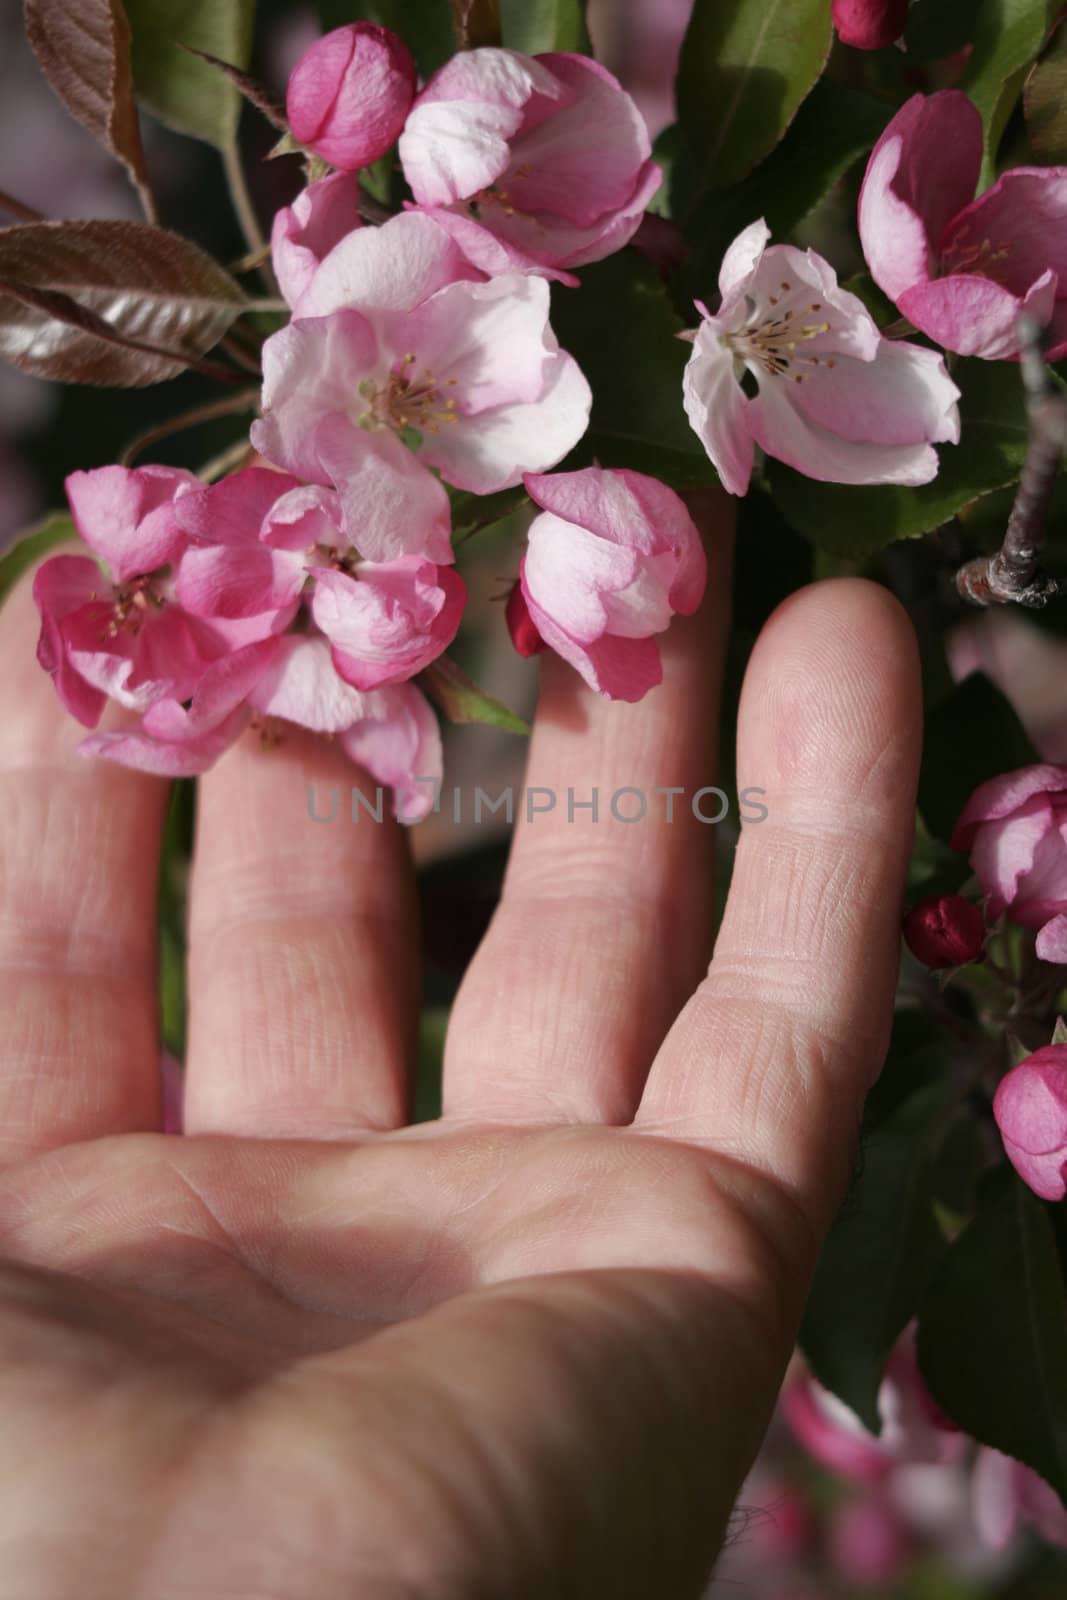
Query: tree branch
column 1013, row 574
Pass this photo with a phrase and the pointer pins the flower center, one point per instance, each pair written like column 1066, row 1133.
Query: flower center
column 408, row 400
column 967, row 255
column 771, row 335
column 132, row 604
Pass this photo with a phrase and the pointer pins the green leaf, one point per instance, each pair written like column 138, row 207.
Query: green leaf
column 971, row 736
column 879, row 1256
column 1007, row 36
column 424, row 25
column 183, row 91
column 1045, row 102
column 433, row 1028
column 621, row 328
column 56, row 529
column 744, row 70
column 993, row 1331
column 538, row 25
column 990, row 454
column 461, row 700
column 834, row 127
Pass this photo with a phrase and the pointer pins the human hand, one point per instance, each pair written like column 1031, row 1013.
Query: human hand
column 308, row 1353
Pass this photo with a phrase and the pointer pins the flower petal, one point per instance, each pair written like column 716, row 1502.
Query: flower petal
column 903, row 396
column 975, row 316
column 392, row 505
column 391, row 268
column 718, row 409
column 1014, row 232
column 922, row 171
column 743, row 257
column 127, row 516
column 398, row 741
column 784, row 432
column 301, row 685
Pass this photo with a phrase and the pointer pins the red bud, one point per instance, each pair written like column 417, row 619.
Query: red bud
column 524, row 634
column 945, row 930
column 870, row 24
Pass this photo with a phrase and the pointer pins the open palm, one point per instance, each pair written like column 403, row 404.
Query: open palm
column 309, row 1353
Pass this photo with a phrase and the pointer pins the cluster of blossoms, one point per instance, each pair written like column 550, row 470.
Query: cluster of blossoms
column 919, row 1482
column 1015, row 829
column 315, row 588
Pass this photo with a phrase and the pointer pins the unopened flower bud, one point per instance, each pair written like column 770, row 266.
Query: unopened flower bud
column 1031, row 1111
column 944, row 930
column 350, row 93
column 870, row 24
column 524, row 634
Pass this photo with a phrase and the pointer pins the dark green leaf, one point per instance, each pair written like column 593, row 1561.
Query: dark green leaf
column 879, row 1256
column 744, row 70
column 461, row 700
column 993, row 1331
column 56, row 529
column 834, row 127
column 84, row 52
column 972, row 735
column 621, row 328
column 163, row 299
column 538, row 25
column 183, row 91
column 1045, row 102
column 990, row 454
column 424, row 25
column 1008, row 35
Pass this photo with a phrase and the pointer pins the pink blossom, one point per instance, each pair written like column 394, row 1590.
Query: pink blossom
column 944, row 930
column 612, row 557
column 834, row 399
column 390, row 619
column 112, row 629
column 963, row 270
column 394, row 342
column 391, row 732
column 913, row 1430
column 869, row 1542
column 1030, row 1106
column 1007, row 1496
column 870, row 24
column 280, row 542
column 534, row 163
column 1015, row 827
column 305, row 232
column 349, row 93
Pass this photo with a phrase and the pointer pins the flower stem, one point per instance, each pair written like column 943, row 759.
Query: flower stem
column 1012, row 574
column 245, row 212
column 231, row 405
column 18, row 209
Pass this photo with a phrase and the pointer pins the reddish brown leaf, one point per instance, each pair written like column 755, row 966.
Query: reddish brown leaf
column 111, row 303
column 84, row 52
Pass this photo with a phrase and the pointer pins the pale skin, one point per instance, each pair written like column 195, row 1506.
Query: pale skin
column 310, row 1353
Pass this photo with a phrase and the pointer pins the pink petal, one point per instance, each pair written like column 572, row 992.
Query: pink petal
column 301, row 685
column 492, row 253
column 922, row 171
column 349, row 94
column 398, row 741
column 486, row 344
column 1014, row 232
column 782, row 431
column 305, row 232
column 1051, row 943
column 311, row 369
column 392, row 268
column 999, row 797
column 566, row 573
column 718, row 409
column 390, row 621
column 184, row 760
column 1003, row 851
column 224, row 687
column 62, row 585
column 227, row 581
column 493, row 449
column 306, row 516
column 392, row 505
column 975, row 316
column 743, row 257
column 127, row 516
column 456, row 140
column 165, row 659
column 995, row 1498
column 231, row 512
column 903, row 396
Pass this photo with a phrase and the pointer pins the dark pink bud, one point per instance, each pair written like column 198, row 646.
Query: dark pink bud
column 524, row 635
column 944, row 930
column 1031, row 1111
column 350, row 93
column 870, row 24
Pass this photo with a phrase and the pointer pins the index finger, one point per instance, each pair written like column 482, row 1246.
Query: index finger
column 771, row 1059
